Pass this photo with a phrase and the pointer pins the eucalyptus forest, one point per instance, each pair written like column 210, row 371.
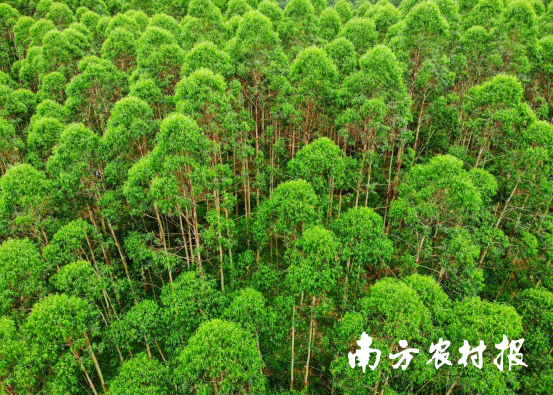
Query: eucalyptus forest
column 220, row 196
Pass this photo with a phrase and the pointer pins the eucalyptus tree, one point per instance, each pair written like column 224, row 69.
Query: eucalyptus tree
column 207, row 55
column 147, row 89
column 476, row 48
column 375, row 119
column 522, row 211
column 142, row 324
column 92, row 94
column 535, row 306
column 23, row 277
column 62, row 51
column 204, row 22
column 344, row 9
column 140, row 17
column 21, row 34
column 289, row 210
column 237, row 8
column 220, row 357
column 123, row 21
column 205, row 98
column 39, row 30
column 12, row 348
column 362, row 8
column 80, row 280
column 421, row 41
column 364, row 247
column 329, row 24
column 312, row 278
column 42, row 135
column 91, row 20
column 8, row 18
column 485, row 13
column 219, row 235
column 30, row 68
column 52, row 87
column 361, row 32
column 141, row 375
column 11, row 146
column 385, row 15
column 474, row 320
column 391, row 312
column 298, row 30
column 261, row 62
column 76, row 165
column 59, row 13
column 159, row 57
column 50, row 109
column 17, row 106
column 541, row 95
column 494, row 115
column 249, row 309
column 272, row 11
column 26, row 203
column 188, row 302
column 441, row 210
column 515, row 39
column 173, row 179
column 342, row 52
column 322, row 163
column 121, row 48
column 79, row 240
column 62, row 331
column 129, row 136
column 167, row 22
column 140, row 253
column 257, row 51
column 313, row 76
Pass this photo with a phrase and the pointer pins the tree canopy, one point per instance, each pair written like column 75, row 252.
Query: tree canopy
column 222, row 196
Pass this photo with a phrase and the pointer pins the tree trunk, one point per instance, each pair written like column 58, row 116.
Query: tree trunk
column 95, row 361
column 311, row 329
column 293, row 343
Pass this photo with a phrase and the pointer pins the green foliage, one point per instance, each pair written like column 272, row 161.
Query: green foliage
column 343, row 8
column 299, row 28
column 361, row 32
column 160, row 58
column 272, row 11
column 314, row 268
column 291, row 207
column 92, row 93
column 42, row 135
column 221, row 356
column 11, row 145
column 75, row 162
column 322, row 163
column 52, row 87
column 360, row 231
column 22, row 280
column 342, row 53
column 120, row 48
column 188, row 302
column 384, row 15
column 141, row 375
column 221, row 196
column 25, row 202
column 207, row 55
column 329, row 24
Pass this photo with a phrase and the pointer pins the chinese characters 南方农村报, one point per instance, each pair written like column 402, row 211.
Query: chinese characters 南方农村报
column 439, row 354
